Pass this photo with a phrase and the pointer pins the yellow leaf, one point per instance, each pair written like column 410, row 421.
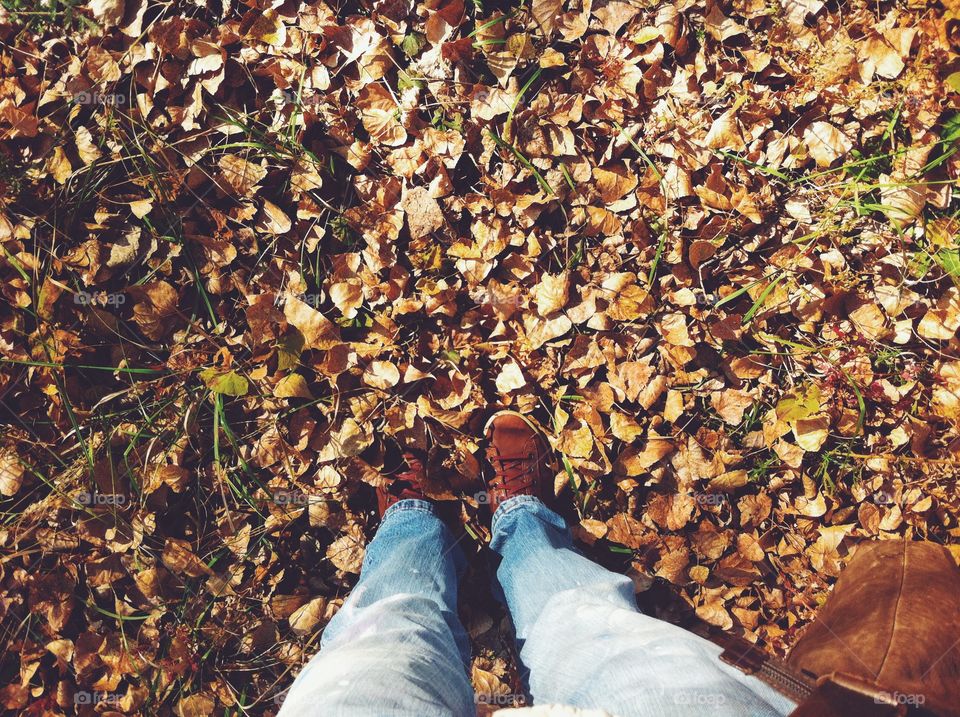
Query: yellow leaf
column 229, row 384
column 811, row 433
column 141, row 208
column 59, row 166
column 268, row 28
column 803, row 403
column 292, row 386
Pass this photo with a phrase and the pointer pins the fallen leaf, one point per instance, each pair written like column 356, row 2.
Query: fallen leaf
column 306, row 618
column 292, row 386
column 11, row 472
column 346, row 553
column 510, row 377
column 230, row 383
column 826, row 143
column 381, row 374
column 423, row 212
column 551, row 293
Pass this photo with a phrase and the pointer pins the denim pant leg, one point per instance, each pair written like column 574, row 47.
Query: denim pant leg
column 396, row 648
column 584, row 643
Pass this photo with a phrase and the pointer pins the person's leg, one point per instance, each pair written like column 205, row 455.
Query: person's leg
column 584, row 643
column 396, row 648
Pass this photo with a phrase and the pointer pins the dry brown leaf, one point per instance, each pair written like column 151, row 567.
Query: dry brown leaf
column 635, row 461
column 624, row 427
column 725, row 134
column 381, row 374
column 271, row 219
column 672, row 512
column 11, row 472
column 614, row 183
column 197, row 705
column 156, row 311
column 178, row 556
column 551, row 293
column 107, row 13
column 729, row 481
column 826, row 143
column 346, row 552
column 317, row 331
column 942, row 321
column 545, row 15
column 241, row 175
column 422, row 211
column 713, row 612
column 510, row 377
column 304, row 619
column 811, row 433
column 730, row 404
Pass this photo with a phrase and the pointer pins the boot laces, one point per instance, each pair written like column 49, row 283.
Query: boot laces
column 514, row 469
column 408, row 482
column 413, row 471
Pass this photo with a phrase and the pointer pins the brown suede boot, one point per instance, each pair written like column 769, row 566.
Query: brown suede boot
column 519, row 455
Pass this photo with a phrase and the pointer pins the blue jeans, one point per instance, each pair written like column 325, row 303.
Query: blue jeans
column 397, row 648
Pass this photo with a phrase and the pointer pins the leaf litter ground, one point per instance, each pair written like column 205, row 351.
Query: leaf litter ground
column 249, row 248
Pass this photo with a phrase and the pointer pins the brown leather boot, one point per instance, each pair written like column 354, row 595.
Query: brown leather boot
column 406, row 482
column 890, row 631
column 519, row 454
